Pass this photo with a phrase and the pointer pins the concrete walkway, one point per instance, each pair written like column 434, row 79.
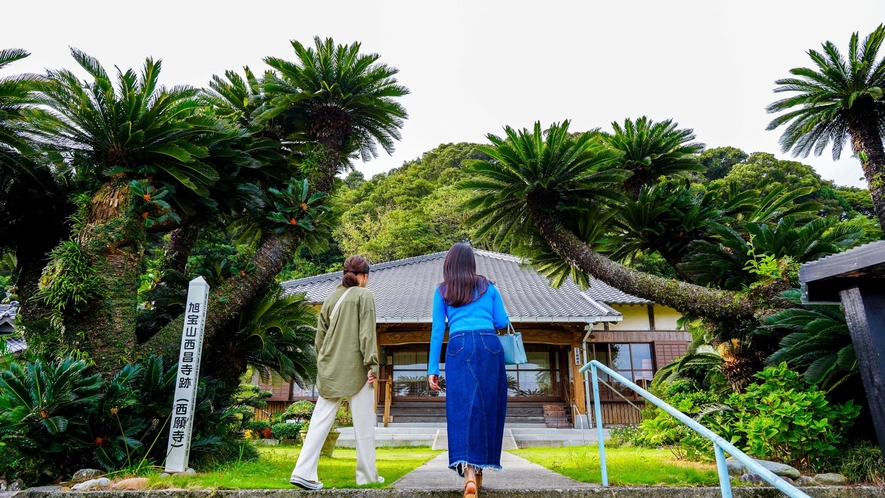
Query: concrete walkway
column 518, row 474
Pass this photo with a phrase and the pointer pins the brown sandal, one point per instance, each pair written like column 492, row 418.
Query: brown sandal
column 470, row 486
column 470, row 489
column 478, row 475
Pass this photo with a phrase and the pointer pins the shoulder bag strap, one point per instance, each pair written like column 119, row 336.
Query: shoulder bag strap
column 509, row 330
column 337, row 304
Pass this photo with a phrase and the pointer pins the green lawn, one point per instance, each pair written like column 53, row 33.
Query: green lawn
column 626, row 466
column 273, row 469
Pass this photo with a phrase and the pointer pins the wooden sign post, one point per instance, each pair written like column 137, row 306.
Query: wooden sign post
column 181, row 426
column 856, row 278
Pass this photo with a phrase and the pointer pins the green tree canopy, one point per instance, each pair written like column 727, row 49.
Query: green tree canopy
column 838, row 98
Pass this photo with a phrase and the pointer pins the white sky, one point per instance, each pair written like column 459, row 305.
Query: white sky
column 475, row 66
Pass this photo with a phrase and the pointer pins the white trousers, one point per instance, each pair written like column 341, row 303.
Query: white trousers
column 362, row 406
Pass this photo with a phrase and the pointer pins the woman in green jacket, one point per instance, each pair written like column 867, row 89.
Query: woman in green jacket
column 347, row 366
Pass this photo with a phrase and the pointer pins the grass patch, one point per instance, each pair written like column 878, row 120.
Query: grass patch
column 626, row 466
column 273, row 469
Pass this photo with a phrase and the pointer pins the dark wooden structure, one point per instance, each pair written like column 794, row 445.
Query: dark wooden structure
column 857, row 278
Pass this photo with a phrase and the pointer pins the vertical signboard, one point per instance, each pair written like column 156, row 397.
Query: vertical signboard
column 184, row 402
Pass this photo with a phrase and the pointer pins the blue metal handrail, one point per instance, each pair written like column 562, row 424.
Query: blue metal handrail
column 720, row 446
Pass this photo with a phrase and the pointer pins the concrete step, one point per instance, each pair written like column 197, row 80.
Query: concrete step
column 435, row 436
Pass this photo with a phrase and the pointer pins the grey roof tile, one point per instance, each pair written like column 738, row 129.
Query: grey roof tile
column 8, row 310
column 602, row 292
column 404, row 288
column 16, row 345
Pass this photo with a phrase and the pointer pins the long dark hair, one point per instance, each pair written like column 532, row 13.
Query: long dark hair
column 353, row 266
column 461, row 284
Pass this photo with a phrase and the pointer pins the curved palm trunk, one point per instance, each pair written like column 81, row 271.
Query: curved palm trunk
column 228, row 300
column 111, row 237
column 685, row 297
column 330, row 129
column 865, row 138
column 181, row 242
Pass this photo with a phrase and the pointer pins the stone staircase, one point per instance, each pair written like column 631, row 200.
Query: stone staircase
column 429, row 412
column 516, row 435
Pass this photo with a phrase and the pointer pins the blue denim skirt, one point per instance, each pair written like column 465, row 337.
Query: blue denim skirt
column 476, row 399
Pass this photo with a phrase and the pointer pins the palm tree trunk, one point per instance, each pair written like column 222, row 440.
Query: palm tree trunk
column 865, row 138
column 230, row 299
column 171, row 273
column 112, row 239
column 685, row 297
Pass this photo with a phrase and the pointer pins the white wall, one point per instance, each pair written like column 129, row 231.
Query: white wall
column 635, row 317
column 666, row 317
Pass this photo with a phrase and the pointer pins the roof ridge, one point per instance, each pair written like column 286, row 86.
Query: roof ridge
column 498, row 255
column 380, row 266
column 408, row 261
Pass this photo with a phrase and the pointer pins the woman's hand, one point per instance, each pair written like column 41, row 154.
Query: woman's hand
column 433, row 381
column 371, row 377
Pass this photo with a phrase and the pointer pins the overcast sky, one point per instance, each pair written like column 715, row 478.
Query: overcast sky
column 476, row 66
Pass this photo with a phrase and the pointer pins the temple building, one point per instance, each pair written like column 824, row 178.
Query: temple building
column 562, row 328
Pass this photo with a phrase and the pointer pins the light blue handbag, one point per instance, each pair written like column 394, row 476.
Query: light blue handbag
column 511, row 343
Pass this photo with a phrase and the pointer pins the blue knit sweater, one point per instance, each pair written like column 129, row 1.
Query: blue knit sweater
column 485, row 313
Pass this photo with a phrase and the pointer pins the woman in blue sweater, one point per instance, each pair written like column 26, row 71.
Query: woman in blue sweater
column 476, row 382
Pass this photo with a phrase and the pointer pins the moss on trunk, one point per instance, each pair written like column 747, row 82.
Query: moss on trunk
column 865, row 138
column 112, row 237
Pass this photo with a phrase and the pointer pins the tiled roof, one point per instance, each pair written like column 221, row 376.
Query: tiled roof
column 602, row 292
column 403, row 291
column 8, row 310
column 16, row 345
column 7, row 316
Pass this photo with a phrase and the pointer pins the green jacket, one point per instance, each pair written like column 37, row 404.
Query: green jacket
column 347, row 348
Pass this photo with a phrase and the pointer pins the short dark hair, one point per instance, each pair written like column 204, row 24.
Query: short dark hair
column 353, row 266
column 461, row 284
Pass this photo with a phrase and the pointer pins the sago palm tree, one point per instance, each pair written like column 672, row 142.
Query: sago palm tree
column 138, row 142
column 652, row 150
column 818, row 341
column 725, row 259
column 30, row 195
column 837, row 99
column 549, row 166
column 533, row 175
column 274, row 336
column 16, row 102
column 668, row 216
column 331, row 102
column 339, row 100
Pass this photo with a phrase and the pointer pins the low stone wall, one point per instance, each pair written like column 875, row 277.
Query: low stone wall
column 597, row 492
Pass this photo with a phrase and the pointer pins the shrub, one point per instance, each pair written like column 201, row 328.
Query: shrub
column 863, row 464
column 58, row 416
column 629, row 435
column 300, row 411
column 257, row 426
column 659, row 428
column 786, row 420
column 286, row 431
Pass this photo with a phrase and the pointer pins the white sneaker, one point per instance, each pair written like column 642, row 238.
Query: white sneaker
column 305, row 484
